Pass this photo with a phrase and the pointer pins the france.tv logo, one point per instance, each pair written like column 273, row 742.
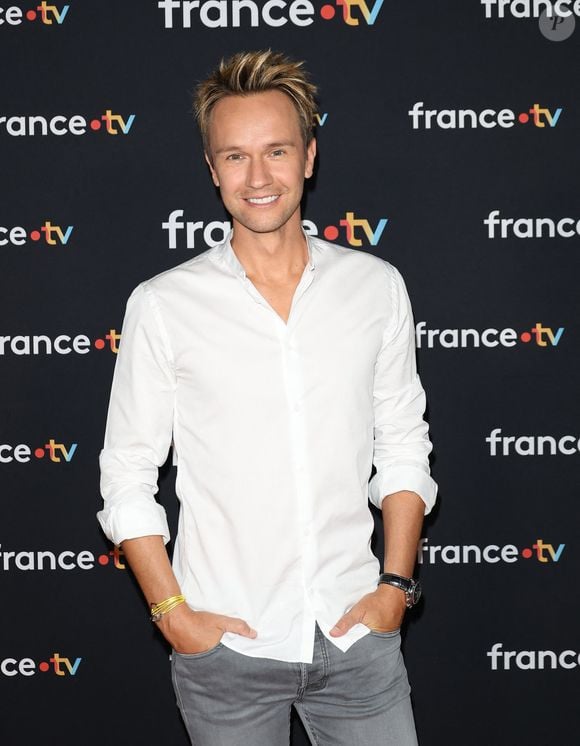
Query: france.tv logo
column 31, row 125
column 464, row 554
column 48, row 233
column 351, row 229
column 47, row 15
column 353, row 11
column 62, row 344
column 48, row 561
column 275, row 13
column 539, row 335
column 22, row 453
column 356, row 231
column 446, row 119
column 56, row 664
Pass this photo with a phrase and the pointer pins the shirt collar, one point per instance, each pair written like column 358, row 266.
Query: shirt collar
column 228, row 256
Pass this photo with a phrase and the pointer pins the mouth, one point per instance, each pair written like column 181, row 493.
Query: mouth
column 262, row 200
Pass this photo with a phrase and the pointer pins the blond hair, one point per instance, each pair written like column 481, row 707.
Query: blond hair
column 255, row 72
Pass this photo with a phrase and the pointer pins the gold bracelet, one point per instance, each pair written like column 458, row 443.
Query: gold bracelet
column 164, row 607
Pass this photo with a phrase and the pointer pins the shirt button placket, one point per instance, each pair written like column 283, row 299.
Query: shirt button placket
column 294, row 390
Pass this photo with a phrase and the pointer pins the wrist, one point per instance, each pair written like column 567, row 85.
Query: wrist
column 392, row 595
column 409, row 587
column 162, row 608
column 173, row 618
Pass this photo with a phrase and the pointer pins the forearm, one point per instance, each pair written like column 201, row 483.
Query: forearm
column 148, row 559
column 403, row 514
column 185, row 630
column 384, row 608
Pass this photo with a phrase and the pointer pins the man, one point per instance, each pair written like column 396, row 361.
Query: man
column 282, row 366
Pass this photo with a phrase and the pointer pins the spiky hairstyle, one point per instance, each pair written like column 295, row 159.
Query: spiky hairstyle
column 255, row 72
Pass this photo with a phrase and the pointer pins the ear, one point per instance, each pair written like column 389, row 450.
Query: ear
column 214, row 176
column 310, row 156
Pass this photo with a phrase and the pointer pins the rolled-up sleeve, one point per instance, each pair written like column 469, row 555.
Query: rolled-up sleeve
column 139, row 424
column 401, row 435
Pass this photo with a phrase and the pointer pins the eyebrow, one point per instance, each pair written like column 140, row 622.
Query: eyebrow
column 270, row 146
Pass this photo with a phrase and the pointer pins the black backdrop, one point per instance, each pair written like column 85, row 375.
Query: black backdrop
column 79, row 661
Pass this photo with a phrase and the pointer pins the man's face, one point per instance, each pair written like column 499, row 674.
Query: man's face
column 258, row 159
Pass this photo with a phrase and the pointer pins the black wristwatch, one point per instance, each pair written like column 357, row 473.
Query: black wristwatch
column 410, row 586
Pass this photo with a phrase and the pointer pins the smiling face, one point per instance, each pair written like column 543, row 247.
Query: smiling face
column 259, row 161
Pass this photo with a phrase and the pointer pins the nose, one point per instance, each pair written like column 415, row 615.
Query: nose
column 258, row 174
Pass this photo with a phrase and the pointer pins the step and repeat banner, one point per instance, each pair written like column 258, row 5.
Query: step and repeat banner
column 448, row 140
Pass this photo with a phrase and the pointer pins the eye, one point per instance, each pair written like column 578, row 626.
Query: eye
column 278, row 152
column 234, row 157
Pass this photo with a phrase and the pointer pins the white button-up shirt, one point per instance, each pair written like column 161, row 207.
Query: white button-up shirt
column 276, row 426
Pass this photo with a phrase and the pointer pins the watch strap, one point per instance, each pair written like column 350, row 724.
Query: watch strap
column 410, row 586
column 405, row 584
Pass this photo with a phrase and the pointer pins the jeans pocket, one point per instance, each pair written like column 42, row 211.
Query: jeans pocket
column 201, row 654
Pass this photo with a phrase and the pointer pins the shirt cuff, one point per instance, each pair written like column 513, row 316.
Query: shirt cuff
column 403, row 477
column 133, row 520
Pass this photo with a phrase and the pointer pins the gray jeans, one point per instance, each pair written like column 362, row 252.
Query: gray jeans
column 357, row 698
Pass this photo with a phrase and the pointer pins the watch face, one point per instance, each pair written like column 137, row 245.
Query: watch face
column 416, row 593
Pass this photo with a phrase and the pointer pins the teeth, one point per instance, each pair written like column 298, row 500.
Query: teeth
column 262, row 200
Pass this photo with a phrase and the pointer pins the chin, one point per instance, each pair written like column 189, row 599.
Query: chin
column 262, row 226
column 264, row 223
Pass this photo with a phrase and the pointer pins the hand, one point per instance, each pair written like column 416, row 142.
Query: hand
column 190, row 631
column 382, row 611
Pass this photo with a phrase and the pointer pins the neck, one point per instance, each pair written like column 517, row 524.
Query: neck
column 271, row 257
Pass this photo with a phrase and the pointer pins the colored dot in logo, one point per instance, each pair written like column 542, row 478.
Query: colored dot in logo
column 35, row 235
column 95, row 124
column 327, row 12
column 526, row 553
column 39, row 453
column 43, row 666
column 523, row 118
column 526, row 337
column 31, row 15
column 331, row 232
column 99, row 344
column 103, row 559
